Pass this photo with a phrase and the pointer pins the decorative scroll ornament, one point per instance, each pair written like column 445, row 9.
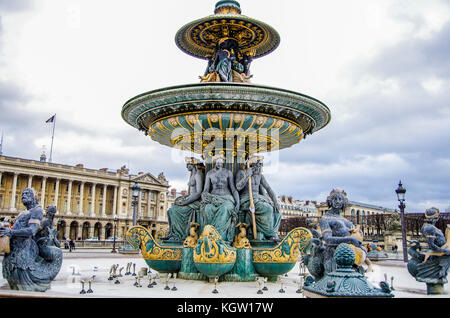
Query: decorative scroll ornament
column 211, row 249
column 140, row 237
column 288, row 251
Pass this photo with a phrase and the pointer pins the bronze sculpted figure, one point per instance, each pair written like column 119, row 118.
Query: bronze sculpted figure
column 265, row 212
column 185, row 209
column 35, row 257
column 431, row 266
column 220, row 200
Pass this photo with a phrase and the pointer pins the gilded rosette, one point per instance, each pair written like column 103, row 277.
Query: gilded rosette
column 289, row 249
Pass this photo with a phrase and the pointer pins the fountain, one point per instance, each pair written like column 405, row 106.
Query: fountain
column 228, row 121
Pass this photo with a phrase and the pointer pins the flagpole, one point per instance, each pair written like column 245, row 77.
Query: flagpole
column 53, row 137
column 1, row 145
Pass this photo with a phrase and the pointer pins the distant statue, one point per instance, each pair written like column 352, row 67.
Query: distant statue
column 334, row 230
column 35, row 257
column 431, row 266
column 185, row 208
column 228, row 64
column 254, row 201
column 220, row 200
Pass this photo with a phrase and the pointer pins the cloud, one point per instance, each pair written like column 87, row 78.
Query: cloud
column 15, row 5
column 383, row 69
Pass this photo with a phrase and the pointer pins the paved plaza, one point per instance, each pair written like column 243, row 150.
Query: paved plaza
column 90, row 262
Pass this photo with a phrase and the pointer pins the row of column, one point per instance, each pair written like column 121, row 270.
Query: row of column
column 69, row 195
column 91, row 211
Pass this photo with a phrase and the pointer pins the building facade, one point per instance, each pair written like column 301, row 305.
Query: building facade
column 290, row 207
column 89, row 202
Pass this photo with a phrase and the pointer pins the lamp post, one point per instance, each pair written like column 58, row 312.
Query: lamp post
column 135, row 194
column 401, row 198
column 114, row 238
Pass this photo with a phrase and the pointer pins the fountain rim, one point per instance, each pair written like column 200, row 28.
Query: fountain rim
column 320, row 106
column 223, row 84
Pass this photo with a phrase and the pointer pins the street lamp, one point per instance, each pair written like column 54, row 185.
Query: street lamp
column 401, row 198
column 135, row 194
column 115, row 233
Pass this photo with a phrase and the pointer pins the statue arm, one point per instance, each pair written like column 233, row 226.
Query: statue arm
column 34, row 224
column 206, row 189
column 327, row 235
column 198, row 190
column 241, row 180
column 234, row 191
column 269, row 190
column 430, row 234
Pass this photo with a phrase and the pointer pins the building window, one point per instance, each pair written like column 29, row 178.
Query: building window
column 67, row 187
column 152, row 195
column 143, row 195
column 79, row 188
column 1, row 181
column 1, row 200
column 100, row 207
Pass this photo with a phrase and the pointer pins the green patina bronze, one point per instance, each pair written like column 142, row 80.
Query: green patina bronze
column 345, row 281
column 243, row 270
column 188, row 269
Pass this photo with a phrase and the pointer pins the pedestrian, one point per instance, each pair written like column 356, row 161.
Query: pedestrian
column 71, row 245
column 66, row 244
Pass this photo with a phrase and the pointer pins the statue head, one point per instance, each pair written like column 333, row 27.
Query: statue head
column 193, row 163
column 29, row 197
column 432, row 215
column 337, row 200
column 51, row 211
column 218, row 161
column 255, row 163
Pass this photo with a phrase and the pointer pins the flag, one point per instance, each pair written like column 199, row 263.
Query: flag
column 51, row 119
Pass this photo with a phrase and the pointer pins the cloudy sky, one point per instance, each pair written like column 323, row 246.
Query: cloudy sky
column 382, row 67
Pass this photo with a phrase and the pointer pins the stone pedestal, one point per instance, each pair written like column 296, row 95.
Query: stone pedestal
column 243, row 270
column 188, row 269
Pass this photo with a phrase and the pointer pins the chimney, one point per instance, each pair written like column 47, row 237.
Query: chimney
column 290, row 199
column 140, row 173
column 104, row 169
column 80, row 165
column 307, row 202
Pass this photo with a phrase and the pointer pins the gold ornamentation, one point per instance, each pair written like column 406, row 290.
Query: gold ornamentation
column 288, row 251
column 191, row 118
column 260, row 120
column 193, row 161
column 241, row 240
column 360, row 255
column 213, row 250
column 140, row 237
column 214, row 118
column 191, row 240
column 279, row 124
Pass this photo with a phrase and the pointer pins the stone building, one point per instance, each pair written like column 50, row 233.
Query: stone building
column 292, row 208
column 88, row 201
